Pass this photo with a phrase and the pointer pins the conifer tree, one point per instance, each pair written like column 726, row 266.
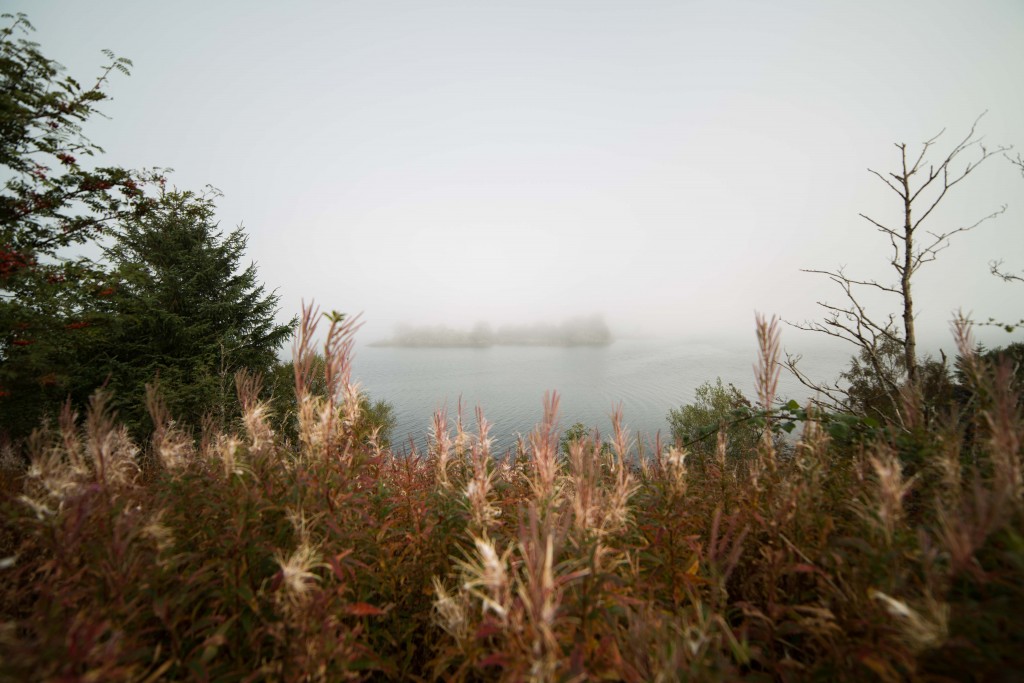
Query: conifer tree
column 185, row 313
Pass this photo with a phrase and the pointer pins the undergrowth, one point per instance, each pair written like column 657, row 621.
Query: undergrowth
column 248, row 556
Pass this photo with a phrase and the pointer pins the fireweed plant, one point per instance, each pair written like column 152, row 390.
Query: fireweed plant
column 860, row 551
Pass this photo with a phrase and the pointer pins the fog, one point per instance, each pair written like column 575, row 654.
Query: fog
column 670, row 166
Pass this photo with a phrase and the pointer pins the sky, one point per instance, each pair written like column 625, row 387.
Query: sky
column 670, row 165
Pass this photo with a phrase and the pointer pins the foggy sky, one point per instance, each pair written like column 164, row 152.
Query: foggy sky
column 670, row 165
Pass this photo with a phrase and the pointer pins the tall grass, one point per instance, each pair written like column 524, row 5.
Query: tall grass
column 247, row 556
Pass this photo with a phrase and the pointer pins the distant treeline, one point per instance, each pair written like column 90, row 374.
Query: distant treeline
column 584, row 331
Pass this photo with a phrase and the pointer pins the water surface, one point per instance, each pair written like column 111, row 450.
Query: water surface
column 647, row 377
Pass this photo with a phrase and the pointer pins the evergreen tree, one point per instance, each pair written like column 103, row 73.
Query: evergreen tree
column 185, row 313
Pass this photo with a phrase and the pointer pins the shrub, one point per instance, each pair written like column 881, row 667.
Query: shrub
column 325, row 557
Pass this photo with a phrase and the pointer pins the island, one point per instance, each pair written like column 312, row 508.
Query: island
column 580, row 331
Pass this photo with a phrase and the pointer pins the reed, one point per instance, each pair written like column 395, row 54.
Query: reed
column 244, row 555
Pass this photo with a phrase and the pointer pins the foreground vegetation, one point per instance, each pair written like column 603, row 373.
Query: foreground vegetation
column 255, row 557
column 173, row 527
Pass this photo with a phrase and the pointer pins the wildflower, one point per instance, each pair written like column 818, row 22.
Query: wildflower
column 486, row 577
column 924, row 629
column 296, row 575
column 450, row 611
column 227, row 448
column 41, row 509
column 675, row 469
column 440, row 446
column 255, row 419
column 160, row 534
column 891, row 489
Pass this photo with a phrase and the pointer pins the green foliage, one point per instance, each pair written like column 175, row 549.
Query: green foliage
column 185, row 312
column 716, row 406
column 51, row 201
column 1012, row 354
column 577, row 432
column 377, row 419
column 874, row 379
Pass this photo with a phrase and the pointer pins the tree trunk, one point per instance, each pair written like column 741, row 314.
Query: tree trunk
column 910, row 338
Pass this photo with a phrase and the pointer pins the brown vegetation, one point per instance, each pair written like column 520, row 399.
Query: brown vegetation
column 249, row 556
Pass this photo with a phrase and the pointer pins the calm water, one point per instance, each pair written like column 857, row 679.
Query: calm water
column 647, row 377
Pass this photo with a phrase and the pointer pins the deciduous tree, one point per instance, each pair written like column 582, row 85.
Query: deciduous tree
column 51, row 200
column 921, row 184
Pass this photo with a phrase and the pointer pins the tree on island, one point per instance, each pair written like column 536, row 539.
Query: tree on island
column 584, row 331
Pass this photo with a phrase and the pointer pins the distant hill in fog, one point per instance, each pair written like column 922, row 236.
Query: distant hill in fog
column 587, row 331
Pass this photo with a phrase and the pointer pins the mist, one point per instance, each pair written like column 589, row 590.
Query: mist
column 669, row 166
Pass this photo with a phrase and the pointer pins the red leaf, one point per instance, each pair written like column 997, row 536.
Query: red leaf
column 487, row 629
column 363, row 609
column 495, row 659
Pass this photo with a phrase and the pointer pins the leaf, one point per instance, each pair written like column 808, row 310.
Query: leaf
column 495, row 659
column 364, row 609
column 487, row 629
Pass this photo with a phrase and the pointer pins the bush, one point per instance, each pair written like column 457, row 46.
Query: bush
column 323, row 557
column 716, row 407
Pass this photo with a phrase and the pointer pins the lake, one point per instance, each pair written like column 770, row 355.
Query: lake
column 647, row 376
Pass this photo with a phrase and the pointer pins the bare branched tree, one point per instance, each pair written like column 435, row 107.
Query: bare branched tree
column 997, row 266
column 921, row 186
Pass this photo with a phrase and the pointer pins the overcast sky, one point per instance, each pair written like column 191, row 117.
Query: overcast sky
column 671, row 165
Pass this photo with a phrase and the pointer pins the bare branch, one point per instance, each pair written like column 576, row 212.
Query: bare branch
column 948, row 183
column 886, row 181
column 836, row 396
column 995, row 268
column 925, row 146
column 882, row 228
column 841, row 276
column 941, row 241
column 1018, row 162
